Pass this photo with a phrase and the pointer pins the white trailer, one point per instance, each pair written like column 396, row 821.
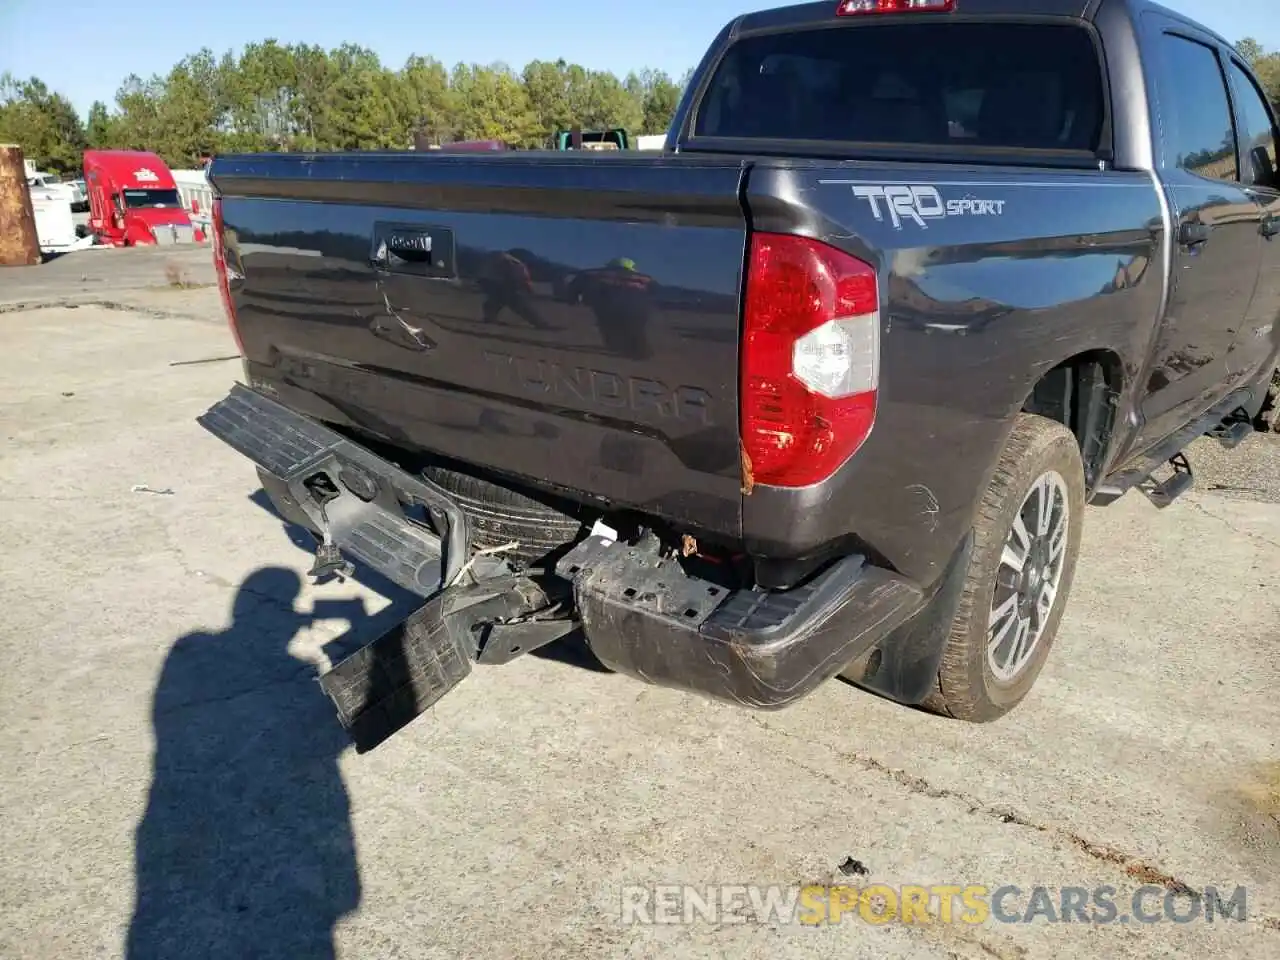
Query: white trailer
column 197, row 197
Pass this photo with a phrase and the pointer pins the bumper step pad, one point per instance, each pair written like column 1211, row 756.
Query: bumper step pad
column 366, row 515
column 381, row 687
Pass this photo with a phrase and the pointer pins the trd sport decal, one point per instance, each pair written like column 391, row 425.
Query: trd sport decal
column 919, row 203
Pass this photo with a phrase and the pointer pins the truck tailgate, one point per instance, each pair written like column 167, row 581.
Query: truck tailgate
column 570, row 321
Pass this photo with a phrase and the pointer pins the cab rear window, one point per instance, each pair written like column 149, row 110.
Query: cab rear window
column 997, row 85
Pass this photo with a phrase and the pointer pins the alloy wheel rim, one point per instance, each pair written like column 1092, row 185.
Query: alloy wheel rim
column 1029, row 577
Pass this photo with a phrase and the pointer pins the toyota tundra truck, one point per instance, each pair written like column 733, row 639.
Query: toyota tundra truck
column 822, row 389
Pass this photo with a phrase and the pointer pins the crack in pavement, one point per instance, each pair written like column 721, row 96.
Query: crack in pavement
column 1255, row 537
column 1133, row 866
column 23, row 306
column 303, row 673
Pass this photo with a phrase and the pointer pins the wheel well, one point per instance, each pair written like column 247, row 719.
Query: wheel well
column 1082, row 393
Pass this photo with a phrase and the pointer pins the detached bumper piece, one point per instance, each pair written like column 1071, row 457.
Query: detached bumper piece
column 644, row 616
column 360, row 505
column 383, row 686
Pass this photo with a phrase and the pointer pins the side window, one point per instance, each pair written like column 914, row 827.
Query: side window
column 1257, row 130
column 1200, row 136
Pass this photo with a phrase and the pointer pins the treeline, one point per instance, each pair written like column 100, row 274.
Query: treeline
column 1265, row 64
column 298, row 97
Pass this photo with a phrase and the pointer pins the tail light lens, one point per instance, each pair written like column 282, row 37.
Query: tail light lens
column 220, row 267
column 810, row 359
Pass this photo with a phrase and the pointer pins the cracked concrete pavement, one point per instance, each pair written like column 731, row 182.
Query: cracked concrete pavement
column 176, row 785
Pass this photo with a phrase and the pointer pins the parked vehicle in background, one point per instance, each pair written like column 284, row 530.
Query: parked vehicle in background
column 615, row 138
column 196, row 194
column 52, row 206
column 80, row 203
column 55, row 225
column 472, row 146
column 51, row 185
column 825, row 388
column 133, row 200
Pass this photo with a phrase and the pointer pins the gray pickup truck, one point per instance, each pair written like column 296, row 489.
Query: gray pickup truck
column 822, row 389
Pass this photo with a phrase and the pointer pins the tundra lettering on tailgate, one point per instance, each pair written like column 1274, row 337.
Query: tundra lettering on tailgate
column 602, row 388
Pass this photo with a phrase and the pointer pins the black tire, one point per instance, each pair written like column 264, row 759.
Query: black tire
column 967, row 686
column 498, row 515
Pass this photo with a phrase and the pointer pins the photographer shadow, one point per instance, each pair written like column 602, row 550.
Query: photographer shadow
column 246, row 846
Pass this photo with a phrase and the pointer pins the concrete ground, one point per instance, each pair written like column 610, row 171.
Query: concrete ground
column 175, row 785
column 102, row 273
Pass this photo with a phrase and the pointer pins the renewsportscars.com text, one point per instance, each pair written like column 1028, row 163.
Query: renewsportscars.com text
column 938, row 903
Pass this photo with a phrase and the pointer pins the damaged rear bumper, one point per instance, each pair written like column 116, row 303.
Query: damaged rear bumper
column 644, row 616
column 641, row 613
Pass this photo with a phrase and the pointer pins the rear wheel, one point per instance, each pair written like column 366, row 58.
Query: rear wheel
column 1026, row 540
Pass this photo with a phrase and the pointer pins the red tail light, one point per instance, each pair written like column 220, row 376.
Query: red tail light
column 810, row 359
column 220, row 267
column 852, row 8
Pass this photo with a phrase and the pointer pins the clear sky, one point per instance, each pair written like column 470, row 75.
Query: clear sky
column 84, row 48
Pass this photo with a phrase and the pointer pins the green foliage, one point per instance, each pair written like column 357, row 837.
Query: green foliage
column 275, row 96
column 1265, row 64
column 100, row 128
column 43, row 123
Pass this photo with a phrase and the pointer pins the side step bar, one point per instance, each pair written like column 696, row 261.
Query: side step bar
column 1234, row 429
column 1164, row 492
column 1220, row 422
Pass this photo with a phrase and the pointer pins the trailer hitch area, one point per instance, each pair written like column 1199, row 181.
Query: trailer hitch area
column 329, row 560
column 385, row 685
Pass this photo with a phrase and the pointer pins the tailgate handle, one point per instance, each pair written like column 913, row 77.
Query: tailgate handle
column 406, row 246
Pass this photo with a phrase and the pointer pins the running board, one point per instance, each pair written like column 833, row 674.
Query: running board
column 1137, row 470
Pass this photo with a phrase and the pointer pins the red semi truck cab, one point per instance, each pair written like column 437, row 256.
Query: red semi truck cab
column 133, row 200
